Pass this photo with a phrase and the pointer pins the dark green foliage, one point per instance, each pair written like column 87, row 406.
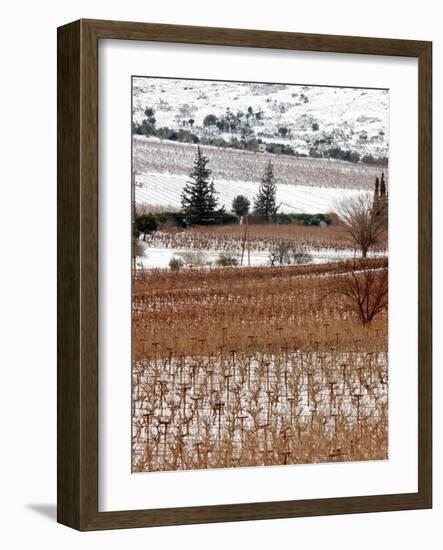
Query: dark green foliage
column 337, row 153
column 314, row 153
column 280, row 149
column 283, row 219
column 210, row 120
column 283, row 131
column 380, row 203
column 199, row 202
column 311, row 219
column 171, row 218
column 146, row 128
column 145, row 224
column 303, row 219
column 334, row 152
column 175, row 263
column 241, row 205
column 377, row 188
column 315, row 127
column 184, row 136
column 136, row 129
column 224, row 218
column 370, row 159
column 179, row 219
column 265, row 201
column 382, row 186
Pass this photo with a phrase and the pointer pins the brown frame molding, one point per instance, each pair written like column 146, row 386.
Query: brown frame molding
column 77, row 317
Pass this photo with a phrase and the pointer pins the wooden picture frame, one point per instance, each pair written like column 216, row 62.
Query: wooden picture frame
column 77, row 456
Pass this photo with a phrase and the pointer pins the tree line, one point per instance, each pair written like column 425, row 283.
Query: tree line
column 200, row 204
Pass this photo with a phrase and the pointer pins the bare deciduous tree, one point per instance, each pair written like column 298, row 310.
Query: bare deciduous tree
column 364, row 224
column 366, row 290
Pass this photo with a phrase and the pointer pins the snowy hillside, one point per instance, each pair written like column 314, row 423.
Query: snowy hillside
column 306, row 118
column 165, row 190
column 169, row 157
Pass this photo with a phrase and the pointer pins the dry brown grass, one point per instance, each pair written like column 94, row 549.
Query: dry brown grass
column 255, row 366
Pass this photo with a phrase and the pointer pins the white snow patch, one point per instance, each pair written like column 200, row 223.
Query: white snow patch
column 165, row 190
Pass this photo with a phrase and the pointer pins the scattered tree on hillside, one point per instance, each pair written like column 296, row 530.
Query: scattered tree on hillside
column 198, row 198
column 265, row 201
column 241, row 205
column 365, row 224
column 210, row 120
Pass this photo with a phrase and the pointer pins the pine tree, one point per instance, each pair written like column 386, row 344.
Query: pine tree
column 198, row 198
column 264, row 203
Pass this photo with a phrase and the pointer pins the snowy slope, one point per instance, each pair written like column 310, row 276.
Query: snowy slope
column 350, row 118
column 152, row 156
column 165, row 190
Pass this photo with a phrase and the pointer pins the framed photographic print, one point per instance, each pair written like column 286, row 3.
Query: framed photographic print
column 244, row 275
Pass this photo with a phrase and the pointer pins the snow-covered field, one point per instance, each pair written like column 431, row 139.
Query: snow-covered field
column 164, row 190
column 159, row 257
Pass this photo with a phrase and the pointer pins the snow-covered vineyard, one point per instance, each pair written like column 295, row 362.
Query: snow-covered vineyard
column 258, row 337
column 154, row 157
column 249, row 409
column 164, row 190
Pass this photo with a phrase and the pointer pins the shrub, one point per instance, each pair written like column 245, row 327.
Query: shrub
column 301, row 257
column 223, row 218
column 280, row 149
column 311, row 219
column 145, row 224
column 225, row 260
column 193, row 258
column 175, row 263
column 147, row 128
column 303, row 219
column 283, row 219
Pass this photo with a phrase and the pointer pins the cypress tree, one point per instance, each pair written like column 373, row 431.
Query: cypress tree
column 376, row 193
column 382, row 187
column 198, row 198
column 264, row 203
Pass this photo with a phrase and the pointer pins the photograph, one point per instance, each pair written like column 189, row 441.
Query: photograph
column 259, row 274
